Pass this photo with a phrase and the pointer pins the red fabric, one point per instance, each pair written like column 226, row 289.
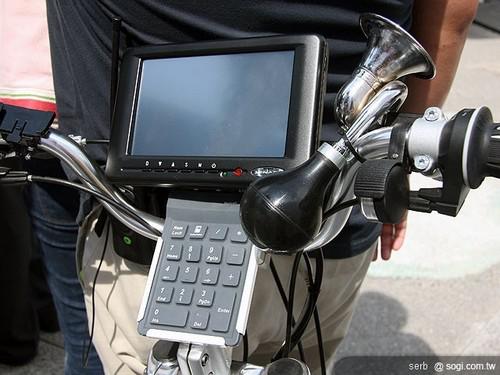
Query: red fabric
column 31, row 104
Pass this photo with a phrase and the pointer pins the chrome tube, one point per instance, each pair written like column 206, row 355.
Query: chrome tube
column 92, row 176
column 391, row 95
column 373, row 145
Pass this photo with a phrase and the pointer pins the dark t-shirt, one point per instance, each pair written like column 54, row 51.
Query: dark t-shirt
column 80, row 37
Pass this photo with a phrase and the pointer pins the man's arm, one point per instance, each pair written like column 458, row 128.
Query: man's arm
column 441, row 27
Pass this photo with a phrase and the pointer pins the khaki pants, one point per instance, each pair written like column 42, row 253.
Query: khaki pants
column 120, row 286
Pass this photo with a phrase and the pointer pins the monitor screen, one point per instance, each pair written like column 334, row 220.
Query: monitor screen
column 231, row 105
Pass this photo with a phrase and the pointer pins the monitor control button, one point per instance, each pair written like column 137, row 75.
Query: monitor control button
column 264, row 171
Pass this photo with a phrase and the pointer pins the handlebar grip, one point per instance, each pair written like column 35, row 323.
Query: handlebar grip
column 494, row 153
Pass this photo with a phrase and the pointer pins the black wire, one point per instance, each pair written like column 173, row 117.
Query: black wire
column 291, row 300
column 317, row 324
column 281, row 291
column 85, row 359
column 245, row 347
column 340, row 207
column 97, row 141
column 157, row 368
column 57, row 181
column 310, row 304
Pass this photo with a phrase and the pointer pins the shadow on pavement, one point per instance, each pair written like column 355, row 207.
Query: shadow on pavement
column 377, row 330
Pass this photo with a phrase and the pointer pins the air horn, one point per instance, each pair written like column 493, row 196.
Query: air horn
column 283, row 212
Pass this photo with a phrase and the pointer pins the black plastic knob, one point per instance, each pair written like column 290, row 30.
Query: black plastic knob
column 386, row 184
column 284, row 211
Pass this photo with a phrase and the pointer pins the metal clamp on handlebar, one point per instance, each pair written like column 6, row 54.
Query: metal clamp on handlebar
column 23, row 126
column 464, row 158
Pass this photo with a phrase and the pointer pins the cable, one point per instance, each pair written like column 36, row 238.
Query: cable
column 310, row 304
column 281, row 291
column 245, row 347
column 317, row 324
column 51, row 180
column 291, row 300
column 340, row 207
column 85, row 359
column 97, row 141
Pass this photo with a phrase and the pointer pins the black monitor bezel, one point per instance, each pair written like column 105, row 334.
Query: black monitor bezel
column 308, row 86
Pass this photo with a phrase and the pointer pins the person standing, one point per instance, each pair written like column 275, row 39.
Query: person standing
column 80, row 35
column 26, row 80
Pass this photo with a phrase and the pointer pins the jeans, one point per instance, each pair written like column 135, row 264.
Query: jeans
column 53, row 210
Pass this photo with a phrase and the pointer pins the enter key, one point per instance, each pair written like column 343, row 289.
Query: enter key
column 223, row 309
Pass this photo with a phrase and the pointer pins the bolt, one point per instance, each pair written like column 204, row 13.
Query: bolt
column 395, row 156
column 432, row 114
column 422, row 162
column 204, row 360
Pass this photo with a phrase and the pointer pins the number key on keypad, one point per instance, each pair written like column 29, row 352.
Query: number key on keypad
column 170, row 316
column 198, row 231
column 217, row 232
column 193, row 253
column 204, row 297
column 178, row 231
column 209, row 275
column 165, row 294
column 238, row 235
column 235, row 255
column 231, row 277
column 170, row 272
column 199, row 319
column 174, row 251
column 189, row 274
column 213, row 254
column 183, row 296
column 222, row 310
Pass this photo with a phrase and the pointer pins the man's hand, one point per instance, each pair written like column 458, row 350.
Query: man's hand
column 392, row 238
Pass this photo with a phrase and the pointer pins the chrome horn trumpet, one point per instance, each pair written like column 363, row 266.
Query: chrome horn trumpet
column 391, row 53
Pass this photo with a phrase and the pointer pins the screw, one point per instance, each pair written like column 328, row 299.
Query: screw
column 422, row 162
column 395, row 156
column 432, row 114
column 204, row 360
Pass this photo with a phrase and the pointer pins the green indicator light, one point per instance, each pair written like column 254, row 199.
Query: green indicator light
column 127, row 240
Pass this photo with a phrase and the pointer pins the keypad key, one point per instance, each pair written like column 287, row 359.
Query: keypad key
column 204, row 297
column 235, row 255
column 198, row 231
column 231, row 277
column 183, row 296
column 170, row 272
column 209, row 275
column 178, row 231
column 238, row 235
column 217, row 232
column 213, row 254
column 165, row 295
column 189, row 274
column 222, row 310
column 199, row 319
column 193, row 253
column 168, row 315
column 174, row 251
